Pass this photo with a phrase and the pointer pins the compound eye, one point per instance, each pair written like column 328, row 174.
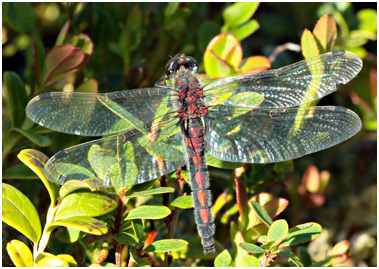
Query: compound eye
column 192, row 64
column 172, row 66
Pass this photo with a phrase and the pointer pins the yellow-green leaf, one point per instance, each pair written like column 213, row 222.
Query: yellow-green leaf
column 223, row 259
column 20, row 254
column 250, row 261
column 278, row 231
column 308, row 45
column 302, row 233
column 148, row 212
column 183, row 202
column 166, row 245
column 36, row 161
column 69, row 259
column 86, row 204
column 19, row 213
column 83, row 223
column 153, row 191
column 255, row 63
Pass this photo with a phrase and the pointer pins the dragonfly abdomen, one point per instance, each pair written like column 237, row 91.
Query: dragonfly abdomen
column 194, row 132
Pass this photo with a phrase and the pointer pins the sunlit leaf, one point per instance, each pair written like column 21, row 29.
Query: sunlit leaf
column 86, row 204
column 19, row 213
column 261, row 213
column 302, row 233
column 238, row 13
column 148, row 212
column 126, row 238
column 223, row 259
column 20, row 254
column 82, row 223
column 278, row 231
column 183, row 202
column 325, row 33
column 251, row 248
column 250, row 261
column 166, row 245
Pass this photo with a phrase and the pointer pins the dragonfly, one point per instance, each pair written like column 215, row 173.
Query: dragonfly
column 150, row 132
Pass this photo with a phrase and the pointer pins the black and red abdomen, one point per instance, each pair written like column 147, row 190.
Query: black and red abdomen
column 193, row 114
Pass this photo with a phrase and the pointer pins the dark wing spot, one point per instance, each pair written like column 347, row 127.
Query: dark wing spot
column 338, row 53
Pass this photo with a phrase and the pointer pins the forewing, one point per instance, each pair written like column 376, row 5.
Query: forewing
column 92, row 114
column 274, row 135
column 121, row 160
column 289, row 86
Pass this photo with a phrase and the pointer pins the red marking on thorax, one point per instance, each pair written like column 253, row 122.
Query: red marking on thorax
column 202, row 197
column 199, row 177
column 204, row 214
column 192, row 108
column 195, row 132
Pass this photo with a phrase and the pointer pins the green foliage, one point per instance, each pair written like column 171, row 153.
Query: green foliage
column 127, row 47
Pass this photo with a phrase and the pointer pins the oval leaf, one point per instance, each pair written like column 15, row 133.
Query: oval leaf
column 68, row 235
column 126, row 238
column 255, row 63
column 223, row 259
column 239, row 13
column 166, row 245
column 73, row 185
column 19, row 213
column 183, row 202
column 302, row 233
column 16, row 97
column 250, row 261
column 148, row 212
column 86, row 204
column 52, row 261
column 90, row 86
column 69, row 259
column 20, row 254
column 62, row 60
column 251, row 248
column 153, row 191
column 261, row 213
column 36, row 161
column 278, row 231
column 308, row 45
column 20, row 16
column 325, row 33
column 85, row 224
column 245, row 30
column 39, row 139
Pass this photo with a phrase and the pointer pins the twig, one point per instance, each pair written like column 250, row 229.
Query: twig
column 174, row 219
column 284, row 47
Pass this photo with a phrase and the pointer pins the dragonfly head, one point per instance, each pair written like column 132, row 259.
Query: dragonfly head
column 179, row 63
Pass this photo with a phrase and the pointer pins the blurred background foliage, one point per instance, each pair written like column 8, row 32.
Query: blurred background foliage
column 132, row 43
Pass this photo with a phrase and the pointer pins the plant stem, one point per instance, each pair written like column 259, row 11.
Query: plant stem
column 174, row 219
column 117, row 224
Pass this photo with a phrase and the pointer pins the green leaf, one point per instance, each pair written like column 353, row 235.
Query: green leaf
column 137, row 226
column 83, row 42
column 251, row 248
column 82, row 223
column 20, row 16
column 183, row 202
column 304, row 256
column 242, row 202
column 68, row 235
column 323, row 263
column 212, row 161
column 166, row 245
column 39, row 51
column 63, row 33
column 261, row 213
column 245, row 30
column 148, row 212
column 86, row 204
column 223, row 259
column 308, row 45
column 239, row 13
column 302, row 233
column 153, row 191
column 126, row 238
column 19, row 171
column 51, row 261
column 237, row 238
column 250, row 261
column 292, row 258
column 103, row 264
column 101, row 159
column 73, row 185
column 20, row 254
column 69, row 259
column 325, row 33
column 278, row 231
column 19, row 213
column 16, row 97
column 90, row 86
column 36, row 161
column 40, row 140
column 66, row 169
column 367, row 20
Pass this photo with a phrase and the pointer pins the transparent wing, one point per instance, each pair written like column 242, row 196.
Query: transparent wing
column 98, row 114
column 274, row 135
column 121, row 160
column 289, row 86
